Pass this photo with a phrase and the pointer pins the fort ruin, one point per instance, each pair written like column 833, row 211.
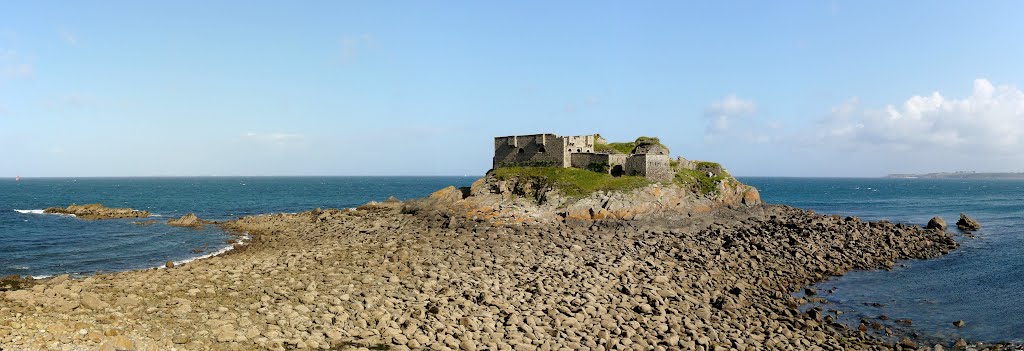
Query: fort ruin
column 551, row 150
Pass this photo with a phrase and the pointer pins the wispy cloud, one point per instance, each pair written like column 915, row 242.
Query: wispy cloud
column 274, row 137
column 15, row 66
column 353, row 45
column 722, row 114
column 68, row 37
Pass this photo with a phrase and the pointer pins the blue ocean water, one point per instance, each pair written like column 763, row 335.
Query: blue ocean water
column 981, row 282
column 38, row 244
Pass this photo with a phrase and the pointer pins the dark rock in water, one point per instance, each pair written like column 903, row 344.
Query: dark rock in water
column 967, row 223
column 189, row 220
column 810, row 292
column 959, row 323
column 937, row 223
column 905, row 321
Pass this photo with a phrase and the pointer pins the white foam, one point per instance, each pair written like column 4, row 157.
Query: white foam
column 244, row 239
column 42, row 212
column 30, row 211
column 37, row 277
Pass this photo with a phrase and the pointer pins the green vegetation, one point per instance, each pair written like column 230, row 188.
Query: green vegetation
column 615, row 148
column 598, row 167
column 627, row 147
column 572, row 182
column 699, row 180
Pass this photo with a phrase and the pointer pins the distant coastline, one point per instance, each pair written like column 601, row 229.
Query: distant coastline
column 959, row 175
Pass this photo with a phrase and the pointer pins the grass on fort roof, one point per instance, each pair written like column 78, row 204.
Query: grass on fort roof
column 615, row 148
column 626, row 147
column 573, row 182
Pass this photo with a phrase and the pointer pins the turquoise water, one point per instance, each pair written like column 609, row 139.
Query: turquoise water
column 980, row 283
column 38, row 244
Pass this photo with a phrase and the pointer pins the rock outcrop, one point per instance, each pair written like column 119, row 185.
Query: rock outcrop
column 967, row 224
column 529, row 200
column 188, row 220
column 97, row 211
column 937, row 223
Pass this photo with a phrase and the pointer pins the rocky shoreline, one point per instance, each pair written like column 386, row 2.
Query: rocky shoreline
column 389, row 275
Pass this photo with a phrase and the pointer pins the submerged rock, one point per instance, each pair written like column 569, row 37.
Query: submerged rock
column 937, row 223
column 967, row 223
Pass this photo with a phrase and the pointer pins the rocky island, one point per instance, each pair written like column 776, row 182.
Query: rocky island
column 97, row 211
column 673, row 255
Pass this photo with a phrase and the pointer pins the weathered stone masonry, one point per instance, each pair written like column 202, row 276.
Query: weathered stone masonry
column 577, row 152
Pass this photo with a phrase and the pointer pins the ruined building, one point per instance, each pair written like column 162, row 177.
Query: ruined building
column 551, row 150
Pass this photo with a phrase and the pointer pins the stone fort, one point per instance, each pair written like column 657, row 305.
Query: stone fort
column 551, row 150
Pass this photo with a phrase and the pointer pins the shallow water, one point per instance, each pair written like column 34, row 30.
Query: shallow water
column 36, row 244
column 980, row 283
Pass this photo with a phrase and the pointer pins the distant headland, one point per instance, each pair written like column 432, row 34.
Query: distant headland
column 959, row 175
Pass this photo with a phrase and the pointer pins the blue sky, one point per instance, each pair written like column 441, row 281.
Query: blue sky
column 816, row 88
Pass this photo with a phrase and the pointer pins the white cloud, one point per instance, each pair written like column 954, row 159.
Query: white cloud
column 352, row 45
column 68, row 37
column 990, row 120
column 14, row 65
column 273, row 138
column 723, row 113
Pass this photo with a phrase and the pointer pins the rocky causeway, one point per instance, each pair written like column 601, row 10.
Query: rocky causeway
column 502, row 265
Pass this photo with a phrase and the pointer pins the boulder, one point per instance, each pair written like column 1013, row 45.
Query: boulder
column 937, row 223
column 967, row 224
column 189, row 220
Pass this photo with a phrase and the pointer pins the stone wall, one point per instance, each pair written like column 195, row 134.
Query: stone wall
column 540, row 149
column 584, row 159
column 579, row 144
column 536, row 149
column 654, row 167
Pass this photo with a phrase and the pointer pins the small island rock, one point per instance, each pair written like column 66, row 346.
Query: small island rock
column 967, row 223
column 97, row 211
column 189, row 220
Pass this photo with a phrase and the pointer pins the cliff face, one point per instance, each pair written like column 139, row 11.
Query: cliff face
column 529, row 200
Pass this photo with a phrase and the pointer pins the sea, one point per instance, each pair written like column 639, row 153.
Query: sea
column 981, row 282
column 41, row 245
